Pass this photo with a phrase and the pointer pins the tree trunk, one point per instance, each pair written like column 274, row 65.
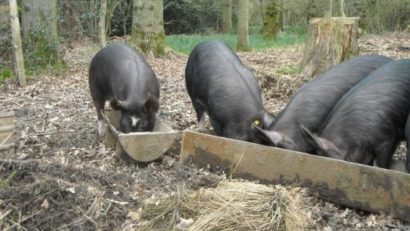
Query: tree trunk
column 111, row 8
column 342, row 8
column 39, row 22
column 101, row 22
column 148, row 26
column 243, row 19
column 226, row 16
column 16, row 41
column 329, row 42
column 271, row 20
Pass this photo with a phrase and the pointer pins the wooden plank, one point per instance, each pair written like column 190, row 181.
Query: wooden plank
column 7, row 139
column 354, row 185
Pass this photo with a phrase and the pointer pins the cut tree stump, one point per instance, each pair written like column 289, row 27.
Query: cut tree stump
column 329, row 42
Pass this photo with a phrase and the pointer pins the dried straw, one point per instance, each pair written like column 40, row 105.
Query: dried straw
column 233, row 205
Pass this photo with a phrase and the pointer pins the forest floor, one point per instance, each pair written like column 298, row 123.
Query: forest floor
column 61, row 178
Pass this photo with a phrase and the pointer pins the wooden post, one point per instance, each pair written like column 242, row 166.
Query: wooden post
column 329, row 42
column 17, row 47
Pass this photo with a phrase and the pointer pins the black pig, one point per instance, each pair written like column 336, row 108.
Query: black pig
column 219, row 84
column 311, row 103
column 369, row 121
column 120, row 75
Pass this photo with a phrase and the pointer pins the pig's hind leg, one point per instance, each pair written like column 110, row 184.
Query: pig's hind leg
column 99, row 103
column 200, row 113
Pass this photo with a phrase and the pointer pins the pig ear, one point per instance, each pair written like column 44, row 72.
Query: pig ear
column 151, row 104
column 118, row 104
column 316, row 141
column 274, row 137
column 268, row 120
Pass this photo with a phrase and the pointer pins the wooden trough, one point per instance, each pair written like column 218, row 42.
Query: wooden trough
column 353, row 185
column 139, row 146
column 7, row 126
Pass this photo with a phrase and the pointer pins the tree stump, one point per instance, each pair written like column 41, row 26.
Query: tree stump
column 329, row 42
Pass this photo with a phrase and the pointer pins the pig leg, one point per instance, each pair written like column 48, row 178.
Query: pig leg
column 101, row 123
column 217, row 126
column 218, row 129
column 407, row 135
column 384, row 153
column 99, row 103
column 200, row 113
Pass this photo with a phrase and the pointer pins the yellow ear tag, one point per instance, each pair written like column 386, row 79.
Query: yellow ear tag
column 257, row 122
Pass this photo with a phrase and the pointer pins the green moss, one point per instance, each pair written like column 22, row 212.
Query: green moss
column 352, row 52
column 160, row 41
column 149, row 42
column 5, row 74
column 243, row 48
column 288, row 69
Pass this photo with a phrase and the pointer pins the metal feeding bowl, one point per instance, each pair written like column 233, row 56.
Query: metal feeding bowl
column 139, row 146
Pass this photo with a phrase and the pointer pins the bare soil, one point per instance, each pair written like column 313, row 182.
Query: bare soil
column 62, row 178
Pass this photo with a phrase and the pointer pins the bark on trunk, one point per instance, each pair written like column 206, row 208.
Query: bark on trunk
column 329, row 42
column 17, row 47
column 148, row 26
column 243, row 18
